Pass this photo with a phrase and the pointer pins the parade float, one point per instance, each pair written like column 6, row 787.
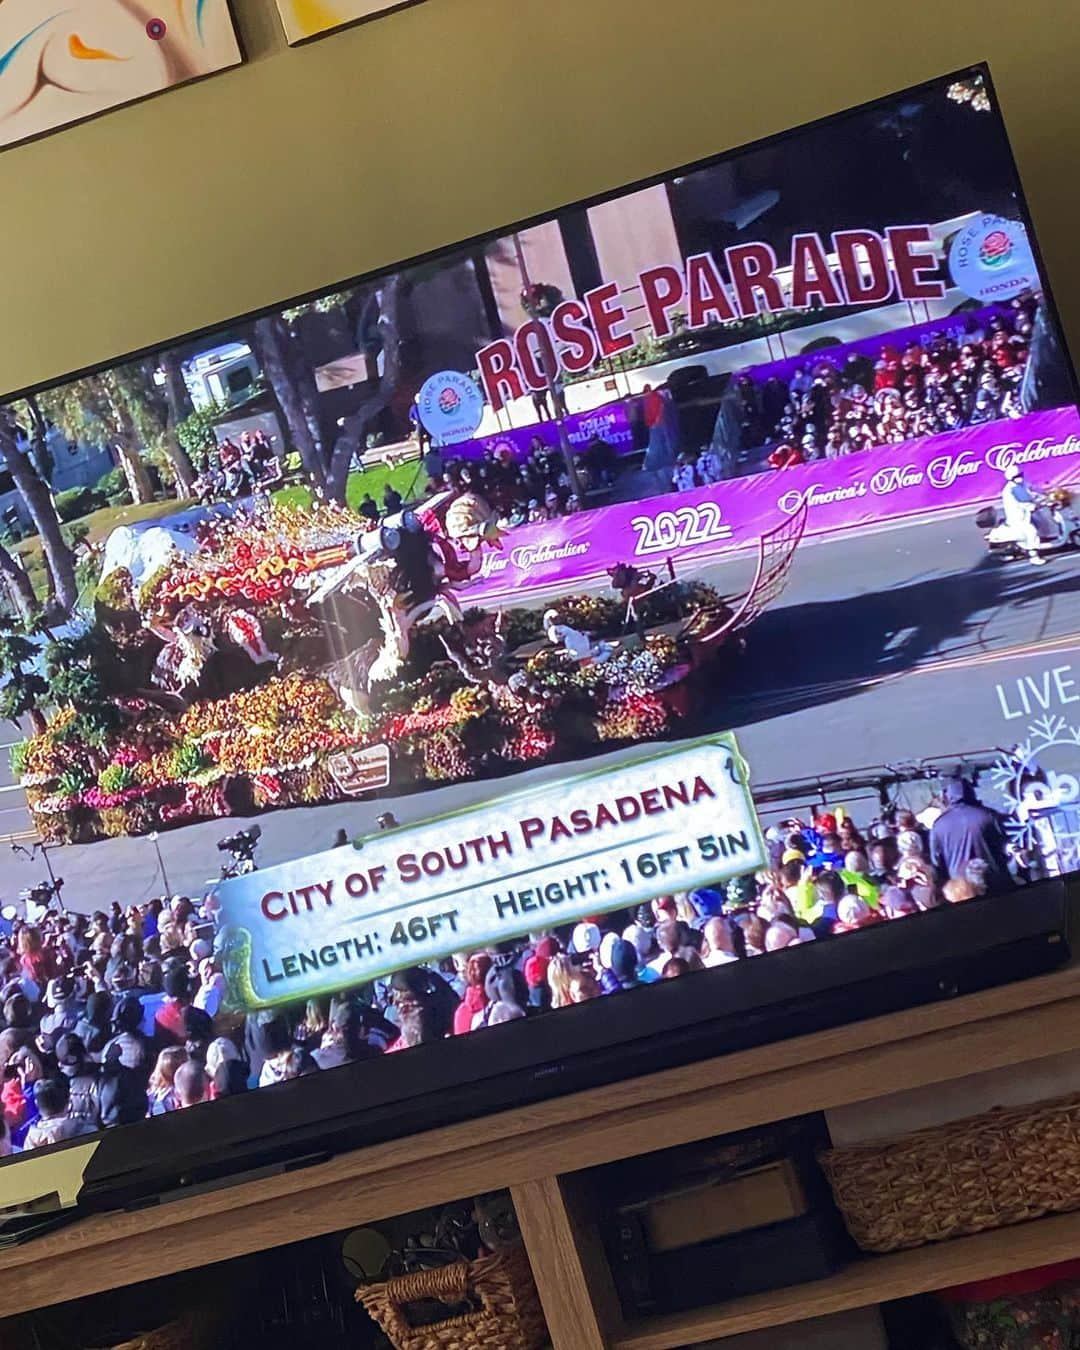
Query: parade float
column 268, row 656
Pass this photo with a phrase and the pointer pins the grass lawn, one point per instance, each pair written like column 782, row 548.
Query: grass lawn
column 409, row 479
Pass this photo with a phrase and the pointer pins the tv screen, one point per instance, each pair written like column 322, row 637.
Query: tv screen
column 603, row 604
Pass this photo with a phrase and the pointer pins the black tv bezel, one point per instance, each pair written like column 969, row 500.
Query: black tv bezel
column 932, row 956
column 474, row 241
column 988, row 942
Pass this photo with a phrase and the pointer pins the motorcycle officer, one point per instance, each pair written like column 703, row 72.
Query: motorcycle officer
column 1019, row 504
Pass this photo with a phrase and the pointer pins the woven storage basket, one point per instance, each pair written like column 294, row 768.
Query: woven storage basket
column 970, row 1175
column 199, row 1330
column 506, row 1311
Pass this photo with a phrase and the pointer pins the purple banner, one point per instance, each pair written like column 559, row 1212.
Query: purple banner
column 611, row 423
column 956, row 470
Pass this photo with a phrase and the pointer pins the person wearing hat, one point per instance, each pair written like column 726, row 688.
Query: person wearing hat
column 62, row 1015
column 169, row 1021
column 535, row 971
column 94, row 1027
column 131, row 1047
column 707, row 904
column 82, row 1079
column 122, row 1091
column 1019, row 504
column 585, row 938
column 624, row 966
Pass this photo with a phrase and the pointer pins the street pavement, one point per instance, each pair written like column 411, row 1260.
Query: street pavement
column 887, row 646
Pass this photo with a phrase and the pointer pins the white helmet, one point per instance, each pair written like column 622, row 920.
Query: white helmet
column 1013, row 472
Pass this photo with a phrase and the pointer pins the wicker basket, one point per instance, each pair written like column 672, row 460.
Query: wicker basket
column 199, row 1330
column 984, row 1172
column 505, row 1312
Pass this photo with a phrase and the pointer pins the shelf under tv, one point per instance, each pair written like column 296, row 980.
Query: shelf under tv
column 536, row 1150
column 873, row 1280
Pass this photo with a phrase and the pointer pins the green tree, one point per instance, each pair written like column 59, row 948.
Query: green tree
column 19, row 586
column 292, row 383
column 384, row 316
column 39, row 503
column 73, row 668
column 119, row 409
column 173, row 409
column 25, row 692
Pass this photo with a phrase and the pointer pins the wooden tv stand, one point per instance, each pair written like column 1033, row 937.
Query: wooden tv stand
column 543, row 1153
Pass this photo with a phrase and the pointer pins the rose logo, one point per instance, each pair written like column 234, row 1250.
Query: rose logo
column 996, row 249
column 449, row 400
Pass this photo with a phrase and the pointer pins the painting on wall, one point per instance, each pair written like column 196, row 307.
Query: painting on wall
column 305, row 19
column 65, row 60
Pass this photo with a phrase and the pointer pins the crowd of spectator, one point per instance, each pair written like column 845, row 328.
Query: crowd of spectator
column 117, row 1016
column 239, row 468
column 944, row 382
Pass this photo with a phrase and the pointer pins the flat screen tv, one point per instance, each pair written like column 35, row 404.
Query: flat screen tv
column 638, row 633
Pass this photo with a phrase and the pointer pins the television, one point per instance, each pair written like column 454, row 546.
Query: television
column 631, row 635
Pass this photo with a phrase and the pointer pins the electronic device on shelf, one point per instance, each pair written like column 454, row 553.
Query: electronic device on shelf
column 643, row 642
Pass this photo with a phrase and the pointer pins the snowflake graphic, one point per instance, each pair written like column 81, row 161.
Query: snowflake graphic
column 1008, row 776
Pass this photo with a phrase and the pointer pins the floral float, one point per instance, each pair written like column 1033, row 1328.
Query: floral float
column 234, row 679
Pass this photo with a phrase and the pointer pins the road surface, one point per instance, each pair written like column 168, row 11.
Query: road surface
column 887, row 646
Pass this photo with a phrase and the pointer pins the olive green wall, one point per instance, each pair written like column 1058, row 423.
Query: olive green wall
column 455, row 116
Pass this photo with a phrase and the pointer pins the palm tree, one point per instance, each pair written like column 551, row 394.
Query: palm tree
column 293, row 385
column 386, row 303
column 39, row 503
column 178, row 408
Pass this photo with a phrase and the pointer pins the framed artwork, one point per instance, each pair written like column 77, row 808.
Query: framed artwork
column 65, row 60
column 304, row 19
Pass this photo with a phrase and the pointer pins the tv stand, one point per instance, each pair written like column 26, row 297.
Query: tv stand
column 542, row 1152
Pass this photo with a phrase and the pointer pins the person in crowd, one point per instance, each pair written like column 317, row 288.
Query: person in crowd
column 475, row 999
column 54, row 1123
column 161, row 1088
column 20, row 1026
column 281, row 1057
column 230, row 1079
column 624, row 966
column 191, row 1087
column 512, row 996
column 957, row 890
column 83, row 1079
column 221, row 1051
column 345, row 1040
column 169, row 1020
column 94, row 1027
column 584, row 985
column 212, row 988
column 725, row 942
column 133, row 1047
column 966, row 830
column 560, row 970
column 670, row 939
